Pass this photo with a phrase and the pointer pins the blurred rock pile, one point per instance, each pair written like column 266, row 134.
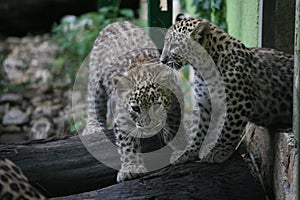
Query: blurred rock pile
column 32, row 104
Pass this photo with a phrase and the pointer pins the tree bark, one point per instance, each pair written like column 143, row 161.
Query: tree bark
column 60, row 167
column 227, row 181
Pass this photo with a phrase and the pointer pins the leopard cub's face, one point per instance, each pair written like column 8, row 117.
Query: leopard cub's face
column 147, row 105
column 144, row 94
column 173, row 47
column 181, row 39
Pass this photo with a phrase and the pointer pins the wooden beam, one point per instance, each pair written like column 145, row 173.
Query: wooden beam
column 159, row 17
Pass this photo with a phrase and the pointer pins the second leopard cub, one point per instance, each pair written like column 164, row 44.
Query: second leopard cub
column 257, row 82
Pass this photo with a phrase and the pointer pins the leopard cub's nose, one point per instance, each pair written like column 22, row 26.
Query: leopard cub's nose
column 163, row 57
column 163, row 60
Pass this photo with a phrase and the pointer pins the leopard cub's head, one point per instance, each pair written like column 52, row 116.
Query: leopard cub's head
column 145, row 94
column 179, row 40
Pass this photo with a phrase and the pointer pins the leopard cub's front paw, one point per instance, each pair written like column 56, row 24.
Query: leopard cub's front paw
column 215, row 157
column 180, row 156
column 131, row 172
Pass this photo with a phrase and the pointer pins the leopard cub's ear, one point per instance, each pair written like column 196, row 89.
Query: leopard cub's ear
column 121, row 81
column 122, row 85
column 180, row 17
column 200, row 31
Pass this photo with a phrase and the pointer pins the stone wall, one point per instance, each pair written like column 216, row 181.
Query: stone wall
column 275, row 155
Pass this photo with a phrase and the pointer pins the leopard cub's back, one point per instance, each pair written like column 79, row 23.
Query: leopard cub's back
column 273, row 76
column 116, row 48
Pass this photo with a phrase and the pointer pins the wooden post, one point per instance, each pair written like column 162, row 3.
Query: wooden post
column 296, row 116
column 159, row 15
column 297, row 73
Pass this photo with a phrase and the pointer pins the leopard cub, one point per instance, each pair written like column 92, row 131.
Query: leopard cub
column 127, row 80
column 257, row 82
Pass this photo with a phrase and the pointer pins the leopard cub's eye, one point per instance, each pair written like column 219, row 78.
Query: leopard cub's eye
column 136, row 109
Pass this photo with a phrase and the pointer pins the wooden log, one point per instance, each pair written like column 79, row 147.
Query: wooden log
column 227, row 181
column 63, row 167
column 59, row 167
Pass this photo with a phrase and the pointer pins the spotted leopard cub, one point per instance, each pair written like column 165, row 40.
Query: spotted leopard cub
column 14, row 185
column 257, row 81
column 127, row 80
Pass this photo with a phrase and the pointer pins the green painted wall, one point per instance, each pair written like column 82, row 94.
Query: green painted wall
column 243, row 20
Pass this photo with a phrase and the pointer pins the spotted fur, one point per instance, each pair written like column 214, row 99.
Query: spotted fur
column 258, row 84
column 13, row 183
column 127, row 79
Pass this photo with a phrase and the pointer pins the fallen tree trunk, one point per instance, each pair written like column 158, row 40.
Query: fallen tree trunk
column 59, row 167
column 227, row 181
column 63, row 167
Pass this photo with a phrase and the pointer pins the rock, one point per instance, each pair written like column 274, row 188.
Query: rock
column 293, row 179
column 42, row 111
column 288, row 143
column 284, row 166
column 12, row 138
column 15, row 117
column 10, row 129
column 31, row 93
column 12, row 42
column 37, row 101
column 41, row 129
column 291, row 166
column 10, row 97
column 29, row 59
column 2, row 111
column 275, row 156
column 41, row 75
column 13, row 68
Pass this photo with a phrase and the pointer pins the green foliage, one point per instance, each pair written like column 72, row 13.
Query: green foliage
column 76, row 126
column 75, row 38
column 183, row 5
column 213, row 10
